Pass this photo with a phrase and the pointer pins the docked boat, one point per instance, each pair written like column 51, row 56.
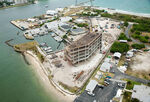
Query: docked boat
column 46, row 6
column 53, row 34
column 57, row 38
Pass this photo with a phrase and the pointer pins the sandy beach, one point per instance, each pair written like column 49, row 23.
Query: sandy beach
column 45, row 82
column 111, row 11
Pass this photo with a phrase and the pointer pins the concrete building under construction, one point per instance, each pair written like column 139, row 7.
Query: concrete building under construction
column 83, row 48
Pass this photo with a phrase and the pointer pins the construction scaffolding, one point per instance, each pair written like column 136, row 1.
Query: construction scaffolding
column 83, row 48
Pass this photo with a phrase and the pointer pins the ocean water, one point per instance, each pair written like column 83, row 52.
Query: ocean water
column 136, row 6
column 18, row 82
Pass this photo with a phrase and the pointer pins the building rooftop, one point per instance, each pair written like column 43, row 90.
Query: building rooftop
column 105, row 67
column 85, row 40
column 141, row 92
column 91, row 85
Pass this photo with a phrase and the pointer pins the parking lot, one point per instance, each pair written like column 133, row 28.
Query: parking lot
column 104, row 94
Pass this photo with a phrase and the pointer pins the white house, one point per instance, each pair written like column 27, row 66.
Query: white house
column 105, row 67
column 91, row 86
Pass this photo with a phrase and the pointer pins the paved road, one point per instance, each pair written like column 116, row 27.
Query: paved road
column 101, row 95
column 119, row 75
column 127, row 30
column 133, row 40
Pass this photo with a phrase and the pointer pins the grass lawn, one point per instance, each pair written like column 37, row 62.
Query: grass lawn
column 71, row 89
column 29, row 46
column 25, row 46
column 121, row 61
column 131, row 83
column 127, row 97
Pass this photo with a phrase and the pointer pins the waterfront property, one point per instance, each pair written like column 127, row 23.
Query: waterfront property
column 83, row 48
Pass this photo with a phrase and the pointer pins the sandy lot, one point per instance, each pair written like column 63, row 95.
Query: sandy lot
column 141, row 61
column 45, row 82
column 67, row 73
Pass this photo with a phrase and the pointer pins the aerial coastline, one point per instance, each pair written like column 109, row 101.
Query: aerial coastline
column 68, row 75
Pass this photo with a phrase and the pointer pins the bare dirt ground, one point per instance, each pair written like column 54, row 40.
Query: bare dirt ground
column 141, row 61
column 140, row 66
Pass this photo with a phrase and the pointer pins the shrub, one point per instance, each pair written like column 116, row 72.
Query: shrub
column 135, row 36
column 126, row 23
column 122, row 37
column 134, row 100
column 82, row 25
column 146, row 37
column 138, row 46
column 65, row 36
column 119, row 47
column 143, row 39
column 137, row 32
column 70, row 20
column 74, row 27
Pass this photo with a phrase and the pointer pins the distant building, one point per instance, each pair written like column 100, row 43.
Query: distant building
column 17, row 1
column 83, row 48
column 51, row 13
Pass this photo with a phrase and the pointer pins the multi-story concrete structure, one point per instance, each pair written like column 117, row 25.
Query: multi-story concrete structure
column 83, row 48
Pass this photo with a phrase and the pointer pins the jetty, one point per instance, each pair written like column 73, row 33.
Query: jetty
column 7, row 42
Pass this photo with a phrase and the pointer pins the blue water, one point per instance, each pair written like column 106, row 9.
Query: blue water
column 136, row 6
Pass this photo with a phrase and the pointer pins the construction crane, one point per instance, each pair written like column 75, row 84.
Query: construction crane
column 81, row 3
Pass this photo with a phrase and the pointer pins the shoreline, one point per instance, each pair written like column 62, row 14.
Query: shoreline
column 17, row 5
column 111, row 11
column 43, row 78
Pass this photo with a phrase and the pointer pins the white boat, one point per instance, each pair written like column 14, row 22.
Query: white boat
column 57, row 38
column 49, row 51
column 53, row 34
column 46, row 6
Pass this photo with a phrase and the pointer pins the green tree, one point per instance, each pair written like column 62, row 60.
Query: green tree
column 138, row 46
column 126, row 23
column 119, row 47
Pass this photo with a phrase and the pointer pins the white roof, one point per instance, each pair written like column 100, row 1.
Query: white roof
column 31, row 19
column 65, row 19
column 130, row 53
column 107, row 60
column 91, row 85
column 124, row 41
column 122, row 69
column 79, row 20
column 59, row 9
column 105, row 67
column 119, row 92
column 117, row 54
column 141, row 92
column 51, row 12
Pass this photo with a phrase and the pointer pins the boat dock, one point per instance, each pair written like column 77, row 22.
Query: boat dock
column 18, row 26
